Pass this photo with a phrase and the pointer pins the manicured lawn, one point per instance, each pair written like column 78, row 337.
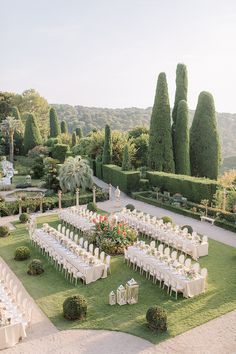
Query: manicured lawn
column 18, row 179
column 50, row 289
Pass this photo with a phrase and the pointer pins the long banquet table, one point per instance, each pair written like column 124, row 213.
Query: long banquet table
column 91, row 272
column 191, row 287
column 10, row 335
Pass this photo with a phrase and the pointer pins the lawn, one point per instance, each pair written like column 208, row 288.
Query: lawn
column 50, row 289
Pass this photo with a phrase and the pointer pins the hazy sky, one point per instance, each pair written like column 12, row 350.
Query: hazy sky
column 108, row 53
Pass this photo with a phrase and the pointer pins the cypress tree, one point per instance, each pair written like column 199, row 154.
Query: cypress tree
column 107, row 150
column 64, row 128
column 205, row 150
column 126, row 166
column 54, row 124
column 180, row 94
column 79, row 132
column 73, row 139
column 19, row 134
column 182, row 162
column 32, row 135
column 160, row 152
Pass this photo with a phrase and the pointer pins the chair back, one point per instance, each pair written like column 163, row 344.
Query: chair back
column 76, row 238
column 152, row 244
column 196, row 267
column 174, row 255
column 67, row 232
column 102, row 256
column 204, row 239
column 71, row 235
column 108, row 260
column 167, row 251
column 204, row 272
column 181, row 259
column 81, row 241
column 59, row 227
column 91, row 248
column 96, row 252
column 86, row 245
column 187, row 263
column 160, row 248
column 63, row 230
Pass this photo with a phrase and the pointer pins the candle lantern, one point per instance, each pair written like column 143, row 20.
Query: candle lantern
column 112, row 298
column 132, row 289
column 121, row 295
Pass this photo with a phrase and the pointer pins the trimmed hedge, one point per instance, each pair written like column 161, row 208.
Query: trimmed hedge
column 193, row 188
column 59, row 152
column 225, row 225
column 128, row 181
column 98, row 172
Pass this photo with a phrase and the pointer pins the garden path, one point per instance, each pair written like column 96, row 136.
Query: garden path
column 205, row 228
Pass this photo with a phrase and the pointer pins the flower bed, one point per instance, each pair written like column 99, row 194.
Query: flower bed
column 112, row 237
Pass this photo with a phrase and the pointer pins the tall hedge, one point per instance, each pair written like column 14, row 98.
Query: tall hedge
column 181, row 92
column 64, row 128
column 79, row 132
column 59, row 152
column 160, row 152
column 127, row 181
column 19, row 134
column 182, row 161
column 32, row 136
column 55, row 129
column 205, row 150
column 73, row 139
column 193, row 188
column 107, row 150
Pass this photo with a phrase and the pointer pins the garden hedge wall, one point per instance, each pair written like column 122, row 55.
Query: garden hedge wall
column 128, row 181
column 192, row 188
column 99, row 173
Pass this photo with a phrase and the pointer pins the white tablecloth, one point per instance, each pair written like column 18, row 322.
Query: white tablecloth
column 11, row 334
column 91, row 272
column 191, row 287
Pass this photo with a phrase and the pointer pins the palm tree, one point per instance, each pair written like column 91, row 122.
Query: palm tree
column 75, row 173
column 9, row 126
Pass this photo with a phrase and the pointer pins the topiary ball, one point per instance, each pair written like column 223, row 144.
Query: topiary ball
column 24, row 217
column 22, row 253
column 157, row 319
column 190, row 229
column 131, row 207
column 75, row 308
column 92, row 207
column 4, row 231
column 35, row 267
column 167, row 219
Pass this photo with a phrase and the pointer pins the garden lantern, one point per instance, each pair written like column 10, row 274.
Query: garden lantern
column 121, row 295
column 132, row 289
column 112, row 298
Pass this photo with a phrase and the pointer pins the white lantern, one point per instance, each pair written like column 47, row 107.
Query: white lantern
column 132, row 289
column 112, row 298
column 121, row 295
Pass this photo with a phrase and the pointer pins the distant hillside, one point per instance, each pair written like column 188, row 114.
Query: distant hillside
column 89, row 118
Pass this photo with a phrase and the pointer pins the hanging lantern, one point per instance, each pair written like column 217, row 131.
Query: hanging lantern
column 112, row 298
column 121, row 295
column 132, row 289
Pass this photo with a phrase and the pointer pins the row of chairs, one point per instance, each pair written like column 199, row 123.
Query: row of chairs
column 20, row 303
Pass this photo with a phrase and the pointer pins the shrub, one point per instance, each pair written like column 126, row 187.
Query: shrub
column 38, row 167
column 157, row 319
column 190, row 229
column 23, row 185
column 24, row 217
column 49, row 193
column 193, row 188
column 4, row 231
column 131, row 207
column 38, row 150
column 167, row 219
column 92, row 207
column 35, row 267
column 59, row 152
column 75, row 308
column 22, row 253
column 128, row 181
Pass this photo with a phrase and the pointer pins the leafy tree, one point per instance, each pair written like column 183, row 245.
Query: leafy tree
column 181, row 91
column 79, row 132
column 9, row 126
column 182, row 161
column 51, row 173
column 107, row 150
column 54, row 124
column 5, row 105
column 64, row 128
column 32, row 135
column 126, row 166
column 138, row 131
column 204, row 140
column 160, row 154
column 141, row 146
column 75, row 173
column 73, row 139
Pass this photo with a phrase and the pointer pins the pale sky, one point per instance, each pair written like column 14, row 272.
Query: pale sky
column 108, row 53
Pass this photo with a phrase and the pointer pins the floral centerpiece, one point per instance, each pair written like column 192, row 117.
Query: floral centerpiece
column 113, row 237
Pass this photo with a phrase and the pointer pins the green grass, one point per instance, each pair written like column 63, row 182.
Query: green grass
column 50, row 289
column 18, row 179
